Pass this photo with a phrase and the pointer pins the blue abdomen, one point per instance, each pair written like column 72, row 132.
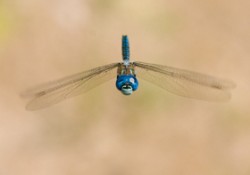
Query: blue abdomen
column 125, row 48
column 127, row 84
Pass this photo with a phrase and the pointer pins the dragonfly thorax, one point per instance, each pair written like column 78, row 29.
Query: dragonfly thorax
column 126, row 79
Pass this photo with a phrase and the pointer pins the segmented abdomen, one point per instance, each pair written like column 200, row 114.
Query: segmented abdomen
column 125, row 48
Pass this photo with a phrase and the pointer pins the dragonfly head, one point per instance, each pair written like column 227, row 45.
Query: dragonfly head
column 126, row 84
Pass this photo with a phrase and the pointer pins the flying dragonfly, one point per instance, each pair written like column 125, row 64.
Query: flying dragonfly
column 177, row 81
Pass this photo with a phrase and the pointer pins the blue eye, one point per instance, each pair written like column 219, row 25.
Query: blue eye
column 127, row 84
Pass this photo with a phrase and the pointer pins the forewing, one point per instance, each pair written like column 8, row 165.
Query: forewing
column 185, row 83
column 56, row 91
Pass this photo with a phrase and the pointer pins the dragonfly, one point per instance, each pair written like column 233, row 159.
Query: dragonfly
column 177, row 81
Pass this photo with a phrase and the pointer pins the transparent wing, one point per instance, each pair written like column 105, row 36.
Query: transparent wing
column 185, row 83
column 56, row 91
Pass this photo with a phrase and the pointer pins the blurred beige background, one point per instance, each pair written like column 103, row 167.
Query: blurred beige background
column 102, row 131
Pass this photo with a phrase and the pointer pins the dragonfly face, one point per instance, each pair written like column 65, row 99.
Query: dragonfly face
column 178, row 81
column 126, row 79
